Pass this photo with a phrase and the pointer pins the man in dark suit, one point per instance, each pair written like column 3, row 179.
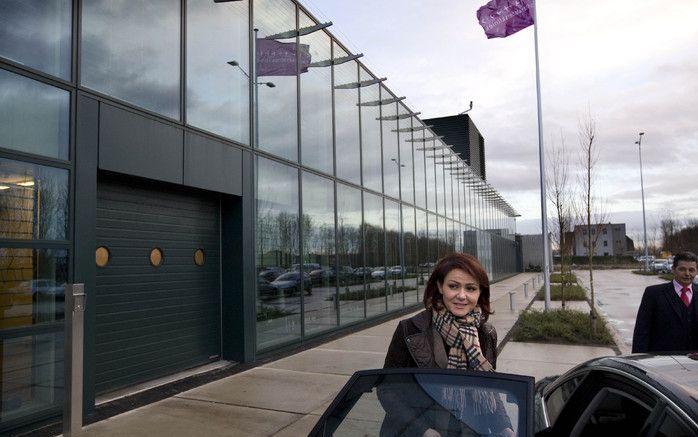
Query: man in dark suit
column 667, row 319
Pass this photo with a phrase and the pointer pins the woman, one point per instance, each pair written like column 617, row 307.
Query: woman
column 452, row 332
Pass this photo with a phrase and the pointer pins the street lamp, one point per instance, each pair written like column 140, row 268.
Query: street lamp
column 471, row 107
column 642, row 188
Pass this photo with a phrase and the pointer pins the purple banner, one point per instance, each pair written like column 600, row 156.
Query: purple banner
column 276, row 58
column 501, row 18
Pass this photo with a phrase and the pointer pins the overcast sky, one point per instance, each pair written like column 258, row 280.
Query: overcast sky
column 631, row 64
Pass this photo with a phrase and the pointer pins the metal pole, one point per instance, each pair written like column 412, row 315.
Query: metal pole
column 74, row 335
column 541, row 157
column 642, row 188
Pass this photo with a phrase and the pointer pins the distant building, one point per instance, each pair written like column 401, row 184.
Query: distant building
column 460, row 132
column 531, row 247
column 610, row 241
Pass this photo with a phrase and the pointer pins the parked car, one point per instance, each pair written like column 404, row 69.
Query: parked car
column 630, row 395
column 266, row 290
column 270, row 273
column 396, row 271
column 379, row 272
column 642, row 258
column 633, row 395
column 661, row 266
column 360, row 272
column 291, row 283
column 319, row 276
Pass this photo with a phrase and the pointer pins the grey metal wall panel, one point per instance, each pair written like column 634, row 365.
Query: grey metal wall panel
column 139, row 146
column 212, row 165
column 154, row 321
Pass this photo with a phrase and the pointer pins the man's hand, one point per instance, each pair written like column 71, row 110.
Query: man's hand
column 432, row 433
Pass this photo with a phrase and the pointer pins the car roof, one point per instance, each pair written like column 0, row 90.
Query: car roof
column 676, row 376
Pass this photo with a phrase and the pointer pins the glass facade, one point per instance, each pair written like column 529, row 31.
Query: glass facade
column 218, row 92
column 133, row 53
column 49, row 22
column 354, row 198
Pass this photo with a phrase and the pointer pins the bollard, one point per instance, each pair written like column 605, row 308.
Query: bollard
column 511, row 300
column 526, row 290
column 73, row 352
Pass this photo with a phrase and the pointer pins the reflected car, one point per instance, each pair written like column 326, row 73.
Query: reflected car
column 379, row 272
column 360, row 272
column 265, row 290
column 322, row 275
column 396, row 271
column 270, row 273
column 632, row 395
column 291, row 283
column 408, row 402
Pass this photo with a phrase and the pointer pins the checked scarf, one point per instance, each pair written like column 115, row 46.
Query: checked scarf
column 460, row 334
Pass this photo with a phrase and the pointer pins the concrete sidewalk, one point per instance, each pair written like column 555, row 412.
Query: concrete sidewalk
column 287, row 396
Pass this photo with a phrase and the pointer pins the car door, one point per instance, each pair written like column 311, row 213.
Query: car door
column 407, row 402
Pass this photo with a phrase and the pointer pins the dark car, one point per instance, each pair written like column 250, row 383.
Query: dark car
column 291, row 283
column 449, row 401
column 632, row 395
column 270, row 273
column 322, row 275
column 266, row 290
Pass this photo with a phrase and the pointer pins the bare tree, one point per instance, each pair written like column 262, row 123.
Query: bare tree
column 560, row 196
column 591, row 209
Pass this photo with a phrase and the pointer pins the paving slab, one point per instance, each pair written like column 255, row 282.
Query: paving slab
column 542, row 359
column 359, row 342
column 175, row 417
column 272, row 389
column 330, row 361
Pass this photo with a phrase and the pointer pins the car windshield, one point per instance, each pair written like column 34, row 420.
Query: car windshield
column 410, row 401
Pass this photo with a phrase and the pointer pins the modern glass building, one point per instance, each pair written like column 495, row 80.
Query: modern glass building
column 226, row 178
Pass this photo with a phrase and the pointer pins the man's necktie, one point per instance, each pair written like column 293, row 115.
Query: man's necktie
column 684, row 295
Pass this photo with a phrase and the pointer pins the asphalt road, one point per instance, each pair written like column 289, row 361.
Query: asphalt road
column 617, row 297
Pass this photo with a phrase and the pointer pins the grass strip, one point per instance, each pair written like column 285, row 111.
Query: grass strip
column 572, row 292
column 562, row 327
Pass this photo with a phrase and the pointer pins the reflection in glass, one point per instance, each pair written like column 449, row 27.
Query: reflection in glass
column 448, row 194
column 440, row 196
column 33, row 201
column 431, row 178
column 31, row 376
column 374, row 241
column 391, row 159
column 347, row 132
column 133, row 53
column 424, row 260
column 433, row 233
column 420, row 182
column 319, row 253
column 34, row 117
column 409, row 244
column 277, row 106
column 217, row 93
column 316, row 106
column 31, row 286
column 36, row 33
column 279, row 283
column 351, row 271
column 406, row 161
column 393, row 256
column 371, row 137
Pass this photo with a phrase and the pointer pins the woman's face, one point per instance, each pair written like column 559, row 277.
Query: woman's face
column 460, row 292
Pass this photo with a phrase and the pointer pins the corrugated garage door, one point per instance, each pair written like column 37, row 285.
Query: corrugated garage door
column 155, row 320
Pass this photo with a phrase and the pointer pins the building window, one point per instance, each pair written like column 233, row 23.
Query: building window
column 605, row 243
column 133, row 54
column 36, row 33
column 35, row 116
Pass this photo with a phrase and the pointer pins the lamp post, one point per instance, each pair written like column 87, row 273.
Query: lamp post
column 642, row 190
column 255, row 103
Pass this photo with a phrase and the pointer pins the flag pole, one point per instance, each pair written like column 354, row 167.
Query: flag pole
column 541, row 157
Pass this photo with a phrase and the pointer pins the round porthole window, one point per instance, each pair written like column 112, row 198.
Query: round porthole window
column 102, row 256
column 199, row 257
column 156, row 257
